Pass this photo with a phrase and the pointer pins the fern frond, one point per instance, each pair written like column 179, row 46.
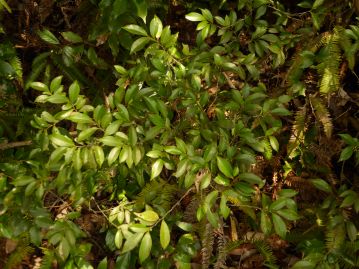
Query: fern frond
column 160, row 194
column 329, row 67
column 207, row 245
column 22, row 251
column 266, row 251
column 323, row 116
column 15, row 62
column 47, row 259
column 335, row 238
column 221, row 252
column 298, row 131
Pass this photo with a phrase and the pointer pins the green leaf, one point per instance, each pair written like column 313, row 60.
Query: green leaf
column 225, row 167
column 304, row 265
column 48, row 37
column 278, row 204
column 156, row 27
column 165, row 235
column 102, row 264
column 145, row 247
column 72, row 37
column 148, row 215
column 74, row 91
column 113, row 155
column 252, row 179
column 266, row 224
column 139, row 44
column 288, row 214
column 79, row 117
column 39, row 86
column 274, row 143
column 141, row 6
column 351, row 231
column 346, row 153
column 4, row 4
column 194, row 16
column 99, row 155
column 61, row 140
column 279, row 225
column 85, row 134
column 222, row 180
column 132, row 242
column 135, row 29
column 57, row 99
column 64, row 249
column 317, row 3
column 321, row 184
column 113, row 127
column 76, row 160
column 281, row 111
column 118, row 239
column 156, row 168
column 23, row 180
column 112, row 141
column 132, row 136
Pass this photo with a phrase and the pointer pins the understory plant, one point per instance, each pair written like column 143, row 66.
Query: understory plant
column 193, row 152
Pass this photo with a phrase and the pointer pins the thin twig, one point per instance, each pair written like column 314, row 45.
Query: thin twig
column 17, row 144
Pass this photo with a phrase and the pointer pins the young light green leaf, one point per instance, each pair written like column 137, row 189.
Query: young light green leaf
column 39, row 86
column 194, row 16
column 274, row 143
column 148, row 215
column 102, row 264
column 55, row 83
column 61, row 140
column 64, row 249
column 139, row 44
column 156, row 27
column 113, row 155
column 157, row 168
column 74, row 91
column 165, row 235
column 225, row 167
column 99, row 155
column 48, row 37
column 145, row 247
column 85, row 134
column 135, row 29
column 118, row 239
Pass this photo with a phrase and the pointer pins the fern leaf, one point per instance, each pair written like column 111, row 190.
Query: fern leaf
column 207, row 245
column 323, row 116
column 298, row 131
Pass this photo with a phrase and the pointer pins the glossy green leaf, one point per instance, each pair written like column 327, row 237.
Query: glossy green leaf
column 39, row 86
column 79, row 117
column 112, row 141
column 102, row 264
column 74, row 91
column 225, row 167
column 135, row 29
column 157, row 167
column 113, row 155
column 139, row 44
column 346, row 153
column 145, row 247
column 274, row 143
column 87, row 133
column 252, row 179
column 194, row 16
column 165, row 236
column 61, row 140
column 156, row 27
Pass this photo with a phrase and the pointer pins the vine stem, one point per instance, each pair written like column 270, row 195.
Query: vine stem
column 17, row 144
